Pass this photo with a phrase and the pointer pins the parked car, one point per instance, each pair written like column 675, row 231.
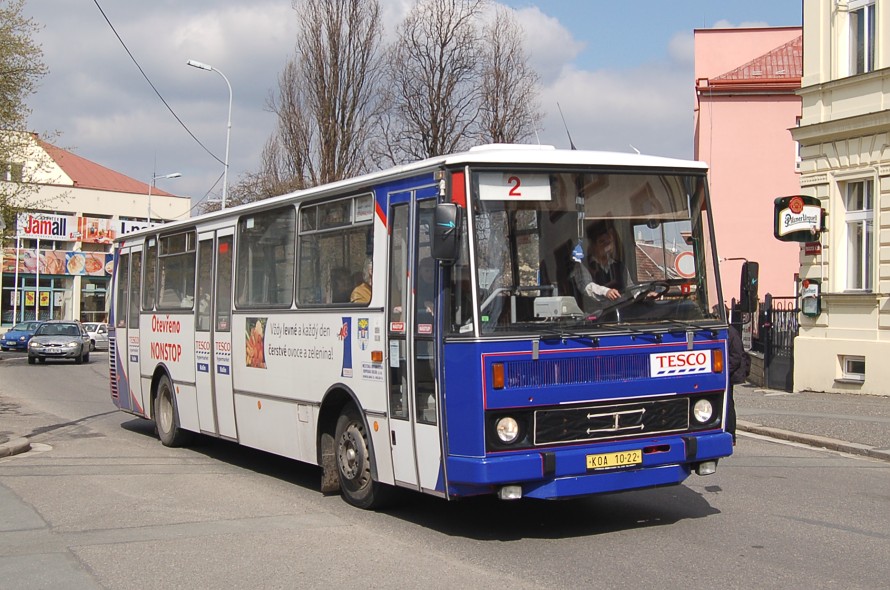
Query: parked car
column 59, row 339
column 98, row 332
column 18, row 336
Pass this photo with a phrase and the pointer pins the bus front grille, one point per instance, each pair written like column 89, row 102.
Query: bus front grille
column 610, row 421
column 591, row 369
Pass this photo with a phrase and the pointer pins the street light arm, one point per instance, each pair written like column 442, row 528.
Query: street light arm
column 151, row 184
column 197, row 64
column 202, row 66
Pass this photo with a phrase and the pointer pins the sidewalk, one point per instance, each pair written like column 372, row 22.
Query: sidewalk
column 852, row 423
column 13, row 446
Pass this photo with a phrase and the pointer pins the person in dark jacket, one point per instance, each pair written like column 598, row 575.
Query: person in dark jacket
column 739, row 367
column 601, row 275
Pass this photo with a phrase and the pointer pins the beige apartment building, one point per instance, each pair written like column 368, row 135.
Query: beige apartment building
column 844, row 142
column 57, row 263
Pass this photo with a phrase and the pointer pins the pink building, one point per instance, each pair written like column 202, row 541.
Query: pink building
column 746, row 103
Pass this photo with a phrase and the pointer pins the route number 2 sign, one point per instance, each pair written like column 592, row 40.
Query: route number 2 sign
column 509, row 186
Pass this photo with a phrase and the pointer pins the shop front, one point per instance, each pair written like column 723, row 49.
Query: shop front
column 59, row 268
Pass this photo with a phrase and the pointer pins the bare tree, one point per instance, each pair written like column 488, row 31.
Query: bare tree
column 21, row 68
column 509, row 110
column 328, row 95
column 278, row 174
column 433, row 85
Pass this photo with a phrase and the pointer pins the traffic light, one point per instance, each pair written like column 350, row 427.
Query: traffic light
column 748, row 287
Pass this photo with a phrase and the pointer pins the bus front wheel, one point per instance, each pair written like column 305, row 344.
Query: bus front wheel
column 354, row 459
column 167, row 416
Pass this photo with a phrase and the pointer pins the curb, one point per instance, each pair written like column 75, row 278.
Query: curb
column 14, row 447
column 815, row 440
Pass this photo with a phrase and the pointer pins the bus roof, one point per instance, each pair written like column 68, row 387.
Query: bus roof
column 491, row 154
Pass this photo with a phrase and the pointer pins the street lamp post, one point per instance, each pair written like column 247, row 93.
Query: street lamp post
column 209, row 68
column 154, row 177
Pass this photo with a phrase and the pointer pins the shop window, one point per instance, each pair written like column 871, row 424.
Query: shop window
column 93, row 299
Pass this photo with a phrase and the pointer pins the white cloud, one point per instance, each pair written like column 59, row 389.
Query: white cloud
column 649, row 108
column 725, row 24
column 681, row 48
column 551, row 47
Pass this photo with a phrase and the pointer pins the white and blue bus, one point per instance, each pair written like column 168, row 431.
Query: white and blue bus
column 424, row 327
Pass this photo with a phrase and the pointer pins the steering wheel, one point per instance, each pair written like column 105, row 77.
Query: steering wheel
column 639, row 291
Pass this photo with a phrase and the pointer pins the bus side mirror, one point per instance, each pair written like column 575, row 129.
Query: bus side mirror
column 448, row 218
column 749, row 282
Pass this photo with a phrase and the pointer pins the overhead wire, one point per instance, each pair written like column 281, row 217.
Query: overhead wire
column 204, row 199
column 150, row 83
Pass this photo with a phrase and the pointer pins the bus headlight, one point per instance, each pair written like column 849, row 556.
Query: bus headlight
column 702, row 410
column 507, row 429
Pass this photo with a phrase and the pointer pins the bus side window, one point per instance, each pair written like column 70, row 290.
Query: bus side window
column 135, row 289
column 224, row 284
column 205, row 284
column 336, row 243
column 122, row 281
column 265, row 263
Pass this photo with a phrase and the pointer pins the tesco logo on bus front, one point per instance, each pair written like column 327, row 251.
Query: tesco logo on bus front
column 664, row 364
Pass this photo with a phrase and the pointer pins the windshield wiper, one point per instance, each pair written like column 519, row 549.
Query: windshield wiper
column 565, row 335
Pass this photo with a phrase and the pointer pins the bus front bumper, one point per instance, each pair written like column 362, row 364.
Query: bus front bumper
column 563, row 472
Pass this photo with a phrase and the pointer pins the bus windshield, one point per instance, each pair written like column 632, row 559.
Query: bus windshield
column 586, row 250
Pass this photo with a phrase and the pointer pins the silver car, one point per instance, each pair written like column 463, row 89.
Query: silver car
column 59, row 340
column 98, row 332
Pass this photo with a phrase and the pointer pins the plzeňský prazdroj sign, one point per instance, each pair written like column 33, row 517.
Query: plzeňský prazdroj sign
column 798, row 218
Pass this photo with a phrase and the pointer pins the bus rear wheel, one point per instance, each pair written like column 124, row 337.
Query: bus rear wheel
column 354, row 460
column 167, row 416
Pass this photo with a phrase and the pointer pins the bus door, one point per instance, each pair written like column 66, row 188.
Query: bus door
column 220, row 369
column 204, row 334
column 128, row 340
column 412, row 331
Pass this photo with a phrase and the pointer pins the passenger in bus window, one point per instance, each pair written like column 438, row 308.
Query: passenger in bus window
column 341, row 285
column 362, row 293
column 601, row 274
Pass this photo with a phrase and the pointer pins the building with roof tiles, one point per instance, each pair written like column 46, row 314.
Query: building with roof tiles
column 745, row 103
column 844, row 136
column 59, row 264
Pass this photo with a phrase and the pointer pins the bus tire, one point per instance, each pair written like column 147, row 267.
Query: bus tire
column 354, row 459
column 167, row 416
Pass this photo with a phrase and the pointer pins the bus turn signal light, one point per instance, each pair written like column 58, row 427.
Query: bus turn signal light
column 718, row 361
column 497, row 375
column 376, row 356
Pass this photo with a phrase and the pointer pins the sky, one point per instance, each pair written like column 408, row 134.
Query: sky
column 621, row 72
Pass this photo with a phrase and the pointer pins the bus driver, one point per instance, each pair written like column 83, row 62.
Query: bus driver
column 601, row 275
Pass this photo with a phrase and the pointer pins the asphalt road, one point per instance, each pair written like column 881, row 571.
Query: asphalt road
column 99, row 503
